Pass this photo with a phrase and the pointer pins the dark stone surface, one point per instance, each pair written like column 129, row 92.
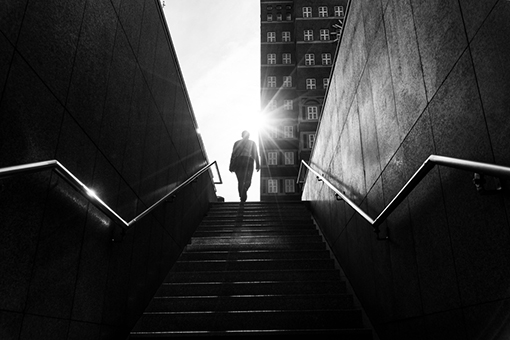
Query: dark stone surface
column 406, row 68
column 10, row 325
column 353, row 178
column 19, row 235
column 56, row 264
column 92, row 268
column 92, row 66
column 130, row 16
column 441, row 39
column 475, row 12
column 388, row 131
column 11, row 18
column 83, row 330
column 6, row 53
column 434, row 257
column 22, row 141
column 490, row 48
column 457, row 118
column 48, row 40
column 40, row 327
column 488, row 321
column 369, row 138
column 117, row 107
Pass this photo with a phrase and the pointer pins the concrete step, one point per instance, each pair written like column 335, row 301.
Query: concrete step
column 255, row 254
column 255, row 288
column 254, row 270
column 250, row 320
column 250, row 275
column 251, row 302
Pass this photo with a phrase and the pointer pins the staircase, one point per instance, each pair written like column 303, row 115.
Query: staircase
column 253, row 270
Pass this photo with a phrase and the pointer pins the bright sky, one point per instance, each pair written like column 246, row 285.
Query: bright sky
column 218, row 46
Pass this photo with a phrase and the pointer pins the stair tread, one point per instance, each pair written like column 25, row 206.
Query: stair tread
column 253, row 269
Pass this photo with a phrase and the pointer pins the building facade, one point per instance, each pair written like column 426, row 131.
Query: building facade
column 298, row 44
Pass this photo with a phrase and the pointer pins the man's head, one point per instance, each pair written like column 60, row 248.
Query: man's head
column 245, row 134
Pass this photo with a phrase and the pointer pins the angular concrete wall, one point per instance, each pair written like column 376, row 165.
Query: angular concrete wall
column 95, row 85
column 414, row 78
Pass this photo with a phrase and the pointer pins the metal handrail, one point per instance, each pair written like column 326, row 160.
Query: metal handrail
column 94, row 199
column 432, row 160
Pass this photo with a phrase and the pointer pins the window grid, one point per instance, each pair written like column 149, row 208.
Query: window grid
column 311, row 140
column 326, row 58
column 271, row 36
column 323, row 12
column 287, row 81
column 286, row 58
column 269, row 17
column 311, row 84
column 309, row 59
column 271, row 58
column 308, row 35
column 273, row 104
column 289, row 158
column 288, row 104
column 339, row 11
column 325, row 83
column 272, row 158
column 312, row 112
column 289, row 186
column 289, row 17
column 272, row 186
column 279, row 17
column 324, row 34
column 286, row 36
column 288, row 131
column 307, row 12
column 271, row 81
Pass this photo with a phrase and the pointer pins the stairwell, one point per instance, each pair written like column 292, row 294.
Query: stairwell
column 254, row 270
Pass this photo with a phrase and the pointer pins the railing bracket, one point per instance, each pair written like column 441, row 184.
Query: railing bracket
column 338, row 197
column 487, row 185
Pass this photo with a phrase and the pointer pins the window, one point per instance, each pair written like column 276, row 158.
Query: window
column 272, row 158
column 271, row 58
column 323, row 12
column 273, row 104
column 308, row 35
column 289, row 186
column 311, row 84
column 289, row 158
column 272, row 186
column 312, row 112
column 287, row 81
column 286, row 36
column 288, row 104
column 288, row 131
column 286, row 58
column 309, row 59
column 311, row 140
column 271, row 36
column 326, row 58
column 289, row 17
column 269, row 17
column 279, row 17
column 325, row 83
column 324, row 34
column 307, row 12
column 339, row 11
column 271, row 81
